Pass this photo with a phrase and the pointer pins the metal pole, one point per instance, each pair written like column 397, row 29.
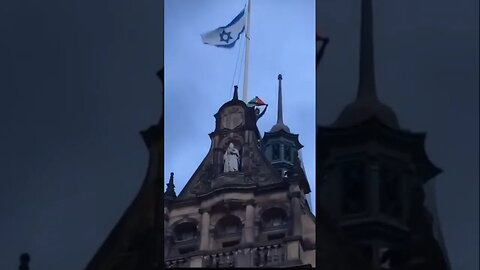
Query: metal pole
column 247, row 51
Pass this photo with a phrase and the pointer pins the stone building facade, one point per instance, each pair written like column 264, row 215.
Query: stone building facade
column 250, row 214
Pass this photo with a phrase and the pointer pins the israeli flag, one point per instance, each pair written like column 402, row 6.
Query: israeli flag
column 226, row 36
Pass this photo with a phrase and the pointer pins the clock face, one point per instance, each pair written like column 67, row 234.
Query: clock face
column 232, row 117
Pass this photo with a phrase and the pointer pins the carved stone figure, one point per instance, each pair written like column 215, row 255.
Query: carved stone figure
column 231, row 159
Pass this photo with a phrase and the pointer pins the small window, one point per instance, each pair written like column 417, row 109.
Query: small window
column 275, row 151
column 232, row 228
column 274, row 218
column 185, row 231
column 390, row 193
column 354, row 189
column 228, row 226
column 287, row 153
column 276, row 221
column 186, row 235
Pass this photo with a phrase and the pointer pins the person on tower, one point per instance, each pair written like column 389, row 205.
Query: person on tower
column 258, row 102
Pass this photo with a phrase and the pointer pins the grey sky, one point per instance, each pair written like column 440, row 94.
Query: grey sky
column 198, row 77
column 426, row 56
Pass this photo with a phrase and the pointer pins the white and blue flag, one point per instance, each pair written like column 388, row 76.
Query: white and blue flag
column 226, row 36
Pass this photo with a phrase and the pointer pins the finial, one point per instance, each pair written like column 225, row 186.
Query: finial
column 170, row 192
column 170, row 181
column 24, row 260
column 279, row 77
column 366, row 85
column 235, row 92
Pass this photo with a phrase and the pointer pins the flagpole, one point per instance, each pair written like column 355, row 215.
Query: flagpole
column 247, row 51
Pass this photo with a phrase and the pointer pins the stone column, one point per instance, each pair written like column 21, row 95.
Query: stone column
column 196, row 262
column 294, row 251
column 296, row 220
column 249, row 222
column 205, row 237
column 166, row 231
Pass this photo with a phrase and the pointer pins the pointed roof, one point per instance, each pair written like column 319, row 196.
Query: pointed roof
column 170, row 192
column 235, row 92
column 366, row 104
column 280, row 125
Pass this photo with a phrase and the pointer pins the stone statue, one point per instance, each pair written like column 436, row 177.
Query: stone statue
column 231, row 159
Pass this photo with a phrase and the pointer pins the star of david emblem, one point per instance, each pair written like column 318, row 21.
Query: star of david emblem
column 225, row 36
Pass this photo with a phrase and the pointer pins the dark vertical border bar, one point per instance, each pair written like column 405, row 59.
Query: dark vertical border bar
column 321, row 44
column 159, row 246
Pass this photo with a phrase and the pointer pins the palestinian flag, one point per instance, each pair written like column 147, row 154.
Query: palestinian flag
column 256, row 102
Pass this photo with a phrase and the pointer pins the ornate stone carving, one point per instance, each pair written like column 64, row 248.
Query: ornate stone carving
column 233, row 117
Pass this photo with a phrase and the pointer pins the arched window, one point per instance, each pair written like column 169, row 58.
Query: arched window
column 185, row 231
column 274, row 217
column 274, row 223
column 228, row 225
column 228, row 231
column 186, row 238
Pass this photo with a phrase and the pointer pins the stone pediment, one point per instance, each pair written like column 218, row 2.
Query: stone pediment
column 256, row 171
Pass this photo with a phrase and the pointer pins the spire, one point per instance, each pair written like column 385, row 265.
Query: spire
column 367, row 105
column 366, row 85
column 170, row 192
column 24, row 260
column 280, row 125
column 235, row 92
column 280, row 112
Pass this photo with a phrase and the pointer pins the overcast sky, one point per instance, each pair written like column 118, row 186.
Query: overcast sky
column 199, row 77
column 77, row 84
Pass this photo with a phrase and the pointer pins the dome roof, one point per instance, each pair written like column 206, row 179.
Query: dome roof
column 280, row 126
column 363, row 109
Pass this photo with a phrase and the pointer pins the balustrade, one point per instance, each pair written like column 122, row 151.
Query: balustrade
column 180, row 262
column 261, row 256
column 269, row 255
